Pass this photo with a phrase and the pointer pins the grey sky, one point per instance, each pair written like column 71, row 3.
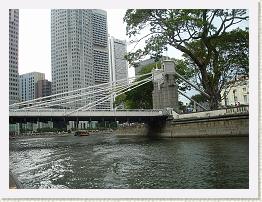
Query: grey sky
column 35, row 39
column 34, row 42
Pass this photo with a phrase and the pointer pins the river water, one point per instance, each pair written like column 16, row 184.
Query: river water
column 110, row 161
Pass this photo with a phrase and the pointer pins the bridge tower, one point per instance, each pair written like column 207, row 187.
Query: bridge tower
column 165, row 92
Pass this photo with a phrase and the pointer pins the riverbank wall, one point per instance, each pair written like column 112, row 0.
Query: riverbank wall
column 221, row 126
column 136, row 129
column 13, row 182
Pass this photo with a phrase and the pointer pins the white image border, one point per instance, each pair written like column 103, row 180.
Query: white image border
column 252, row 192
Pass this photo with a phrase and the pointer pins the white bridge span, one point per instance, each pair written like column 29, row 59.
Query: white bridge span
column 90, row 113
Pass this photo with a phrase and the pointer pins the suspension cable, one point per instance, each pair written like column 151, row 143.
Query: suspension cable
column 91, row 104
column 72, row 97
column 68, row 92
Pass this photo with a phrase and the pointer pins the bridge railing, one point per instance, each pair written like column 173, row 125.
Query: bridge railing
column 38, row 110
column 212, row 113
column 142, row 110
column 238, row 109
column 90, row 112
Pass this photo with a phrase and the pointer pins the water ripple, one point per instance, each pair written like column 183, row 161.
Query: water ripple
column 130, row 162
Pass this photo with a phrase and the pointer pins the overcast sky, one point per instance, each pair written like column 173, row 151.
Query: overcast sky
column 35, row 38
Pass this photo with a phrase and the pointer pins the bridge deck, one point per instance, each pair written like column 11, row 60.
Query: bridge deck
column 51, row 114
column 86, row 113
column 135, row 115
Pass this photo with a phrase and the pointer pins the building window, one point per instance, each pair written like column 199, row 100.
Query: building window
column 245, row 99
column 227, row 101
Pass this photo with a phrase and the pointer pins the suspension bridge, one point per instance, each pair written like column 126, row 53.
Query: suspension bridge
column 95, row 103
column 92, row 103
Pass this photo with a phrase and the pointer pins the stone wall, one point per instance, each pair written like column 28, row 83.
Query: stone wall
column 200, row 127
column 223, row 126
column 165, row 95
column 132, row 130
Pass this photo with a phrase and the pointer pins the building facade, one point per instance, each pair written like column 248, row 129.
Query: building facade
column 117, row 62
column 13, row 56
column 79, row 52
column 100, row 46
column 27, row 85
column 237, row 92
column 43, row 88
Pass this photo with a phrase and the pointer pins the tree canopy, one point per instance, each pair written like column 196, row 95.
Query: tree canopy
column 140, row 97
column 212, row 44
column 198, row 98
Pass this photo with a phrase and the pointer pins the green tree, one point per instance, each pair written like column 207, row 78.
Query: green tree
column 230, row 61
column 120, row 100
column 200, row 34
column 199, row 98
column 141, row 97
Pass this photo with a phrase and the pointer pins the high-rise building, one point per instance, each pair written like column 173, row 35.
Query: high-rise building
column 13, row 55
column 43, row 88
column 79, row 52
column 117, row 62
column 100, row 46
column 27, row 85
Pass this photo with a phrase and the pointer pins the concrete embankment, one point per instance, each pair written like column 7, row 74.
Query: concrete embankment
column 13, row 182
column 221, row 126
column 208, row 127
column 132, row 130
column 41, row 135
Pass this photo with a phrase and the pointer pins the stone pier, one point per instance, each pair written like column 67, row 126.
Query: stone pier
column 165, row 94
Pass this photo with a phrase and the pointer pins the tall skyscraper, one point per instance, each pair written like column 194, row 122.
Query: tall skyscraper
column 79, row 52
column 13, row 55
column 117, row 62
column 27, row 85
column 99, row 28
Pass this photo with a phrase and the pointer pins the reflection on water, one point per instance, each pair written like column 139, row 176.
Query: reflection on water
column 109, row 161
